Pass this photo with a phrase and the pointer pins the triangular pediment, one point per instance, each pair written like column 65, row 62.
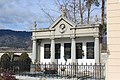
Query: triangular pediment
column 62, row 20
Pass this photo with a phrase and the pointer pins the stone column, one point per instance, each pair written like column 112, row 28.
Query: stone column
column 97, row 50
column 73, row 51
column 39, row 51
column 34, row 52
column 52, row 51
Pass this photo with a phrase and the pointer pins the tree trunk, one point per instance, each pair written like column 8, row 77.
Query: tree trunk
column 102, row 23
column 74, row 13
column 89, row 3
column 81, row 14
column 103, row 10
column 88, row 19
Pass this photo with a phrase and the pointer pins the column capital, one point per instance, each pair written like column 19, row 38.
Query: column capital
column 52, row 38
column 73, row 37
column 96, row 36
column 33, row 39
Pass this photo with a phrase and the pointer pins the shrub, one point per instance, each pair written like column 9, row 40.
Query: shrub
column 24, row 62
column 23, row 57
column 5, row 61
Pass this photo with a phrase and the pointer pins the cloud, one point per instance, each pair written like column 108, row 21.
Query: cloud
column 20, row 14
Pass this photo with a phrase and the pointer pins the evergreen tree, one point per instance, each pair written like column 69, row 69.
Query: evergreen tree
column 24, row 62
column 5, row 61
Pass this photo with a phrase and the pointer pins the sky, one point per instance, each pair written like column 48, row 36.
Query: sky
column 20, row 14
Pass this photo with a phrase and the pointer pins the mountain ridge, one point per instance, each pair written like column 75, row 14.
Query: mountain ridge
column 15, row 39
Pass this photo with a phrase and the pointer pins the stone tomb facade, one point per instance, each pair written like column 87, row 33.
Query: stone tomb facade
column 65, row 42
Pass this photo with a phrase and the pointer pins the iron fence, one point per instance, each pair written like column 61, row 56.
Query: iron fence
column 74, row 70
column 71, row 70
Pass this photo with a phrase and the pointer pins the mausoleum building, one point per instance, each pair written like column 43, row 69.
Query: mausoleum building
column 65, row 41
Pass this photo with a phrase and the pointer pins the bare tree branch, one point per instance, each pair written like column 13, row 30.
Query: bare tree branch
column 94, row 9
column 48, row 15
